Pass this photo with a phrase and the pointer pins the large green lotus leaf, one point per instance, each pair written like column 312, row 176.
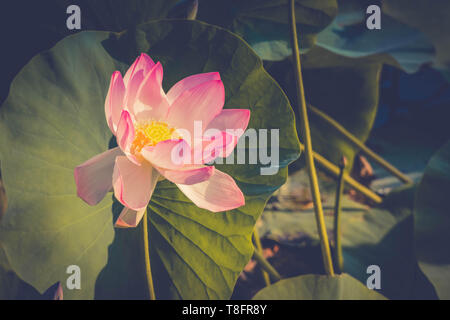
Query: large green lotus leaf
column 380, row 236
column 431, row 19
column 264, row 24
column 28, row 27
column 318, row 287
column 349, row 36
column 54, row 120
column 12, row 287
column 432, row 222
column 345, row 89
column 351, row 12
column 50, row 122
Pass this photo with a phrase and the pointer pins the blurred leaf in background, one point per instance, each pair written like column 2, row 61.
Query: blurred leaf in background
column 346, row 89
column 3, row 199
column 264, row 24
column 348, row 36
column 28, row 27
column 431, row 18
column 432, row 222
column 380, row 236
column 318, row 287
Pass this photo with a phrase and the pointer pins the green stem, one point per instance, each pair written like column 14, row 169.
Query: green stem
column 259, row 251
column 332, row 169
column 339, row 260
column 264, row 264
column 306, row 137
column 148, row 270
column 356, row 142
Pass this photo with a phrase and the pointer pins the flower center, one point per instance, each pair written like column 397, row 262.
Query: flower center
column 150, row 133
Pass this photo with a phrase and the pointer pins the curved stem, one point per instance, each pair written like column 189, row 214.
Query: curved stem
column 148, row 270
column 306, row 137
column 259, row 251
column 339, row 260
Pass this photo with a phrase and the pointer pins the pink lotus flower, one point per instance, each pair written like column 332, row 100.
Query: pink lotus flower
column 157, row 138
